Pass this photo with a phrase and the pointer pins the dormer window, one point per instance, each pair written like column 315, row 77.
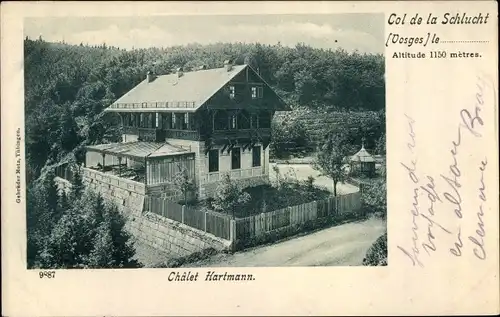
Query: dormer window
column 257, row 92
column 231, row 92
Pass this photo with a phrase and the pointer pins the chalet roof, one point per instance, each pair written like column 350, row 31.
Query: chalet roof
column 362, row 156
column 170, row 92
column 138, row 149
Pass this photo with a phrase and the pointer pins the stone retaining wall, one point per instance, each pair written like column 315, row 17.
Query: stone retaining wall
column 172, row 237
column 126, row 200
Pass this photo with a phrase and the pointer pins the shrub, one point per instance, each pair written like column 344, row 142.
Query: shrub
column 374, row 198
column 229, row 197
column 377, row 253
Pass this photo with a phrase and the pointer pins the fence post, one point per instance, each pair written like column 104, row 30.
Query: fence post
column 232, row 233
column 205, row 222
column 182, row 214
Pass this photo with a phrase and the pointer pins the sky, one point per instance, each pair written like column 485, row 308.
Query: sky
column 362, row 32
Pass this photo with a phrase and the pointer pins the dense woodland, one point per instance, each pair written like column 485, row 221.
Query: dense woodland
column 68, row 86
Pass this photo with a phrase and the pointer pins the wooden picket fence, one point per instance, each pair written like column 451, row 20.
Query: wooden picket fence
column 257, row 225
column 217, row 224
column 221, row 225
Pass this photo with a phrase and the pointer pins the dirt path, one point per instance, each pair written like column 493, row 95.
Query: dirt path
column 344, row 245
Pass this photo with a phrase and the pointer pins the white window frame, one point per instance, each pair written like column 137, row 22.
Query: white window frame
column 254, row 92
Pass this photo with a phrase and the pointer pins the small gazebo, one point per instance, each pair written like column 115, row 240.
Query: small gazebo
column 362, row 163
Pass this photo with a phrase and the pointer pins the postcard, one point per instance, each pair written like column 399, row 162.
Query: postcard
column 249, row 158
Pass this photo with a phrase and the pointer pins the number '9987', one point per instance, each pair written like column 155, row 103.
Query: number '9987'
column 47, row 274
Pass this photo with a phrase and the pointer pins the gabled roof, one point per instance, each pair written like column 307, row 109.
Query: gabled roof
column 187, row 92
column 362, row 156
column 171, row 92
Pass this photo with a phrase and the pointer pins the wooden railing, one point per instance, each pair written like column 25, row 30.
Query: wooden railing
column 93, row 176
column 235, row 174
column 149, row 105
column 242, row 133
column 182, row 134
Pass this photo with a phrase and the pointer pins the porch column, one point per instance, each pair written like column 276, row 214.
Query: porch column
column 120, row 166
column 145, row 171
column 103, row 160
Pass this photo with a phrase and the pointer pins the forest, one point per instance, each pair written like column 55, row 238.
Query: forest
column 68, row 86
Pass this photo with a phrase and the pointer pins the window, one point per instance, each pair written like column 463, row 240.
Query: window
column 257, row 92
column 243, row 120
column 186, row 121
column 166, row 120
column 254, row 121
column 231, row 92
column 159, row 120
column 236, row 158
column 256, row 156
column 264, row 120
column 213, row 161
column 260, row 92
column 232, row 124
column 178, row 121
column 221, row 121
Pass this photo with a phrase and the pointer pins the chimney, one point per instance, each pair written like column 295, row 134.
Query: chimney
column 180, row 72
column 150, row 77
column 228, row 65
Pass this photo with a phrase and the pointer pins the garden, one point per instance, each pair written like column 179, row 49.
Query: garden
column 285, row 190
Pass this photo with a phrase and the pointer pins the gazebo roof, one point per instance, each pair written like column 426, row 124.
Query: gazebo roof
column 362, row 156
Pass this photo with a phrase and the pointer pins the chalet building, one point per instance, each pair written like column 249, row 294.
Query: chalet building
column 208, row 122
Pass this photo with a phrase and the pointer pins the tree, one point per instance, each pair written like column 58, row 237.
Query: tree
column 380, row 145
column 69, row 243
column 331, row 158
column 122, row 250
column 229, row 196
column 77, row 187
column 183, row 182
column 91, row 234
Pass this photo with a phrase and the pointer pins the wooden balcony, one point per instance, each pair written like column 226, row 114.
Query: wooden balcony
column 247, row 134
column 146, row 134
column 182, row 134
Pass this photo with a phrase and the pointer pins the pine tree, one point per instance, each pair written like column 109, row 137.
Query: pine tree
column 122, row 245
column 102, row 253
column 50, row 191
column 77, row 188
